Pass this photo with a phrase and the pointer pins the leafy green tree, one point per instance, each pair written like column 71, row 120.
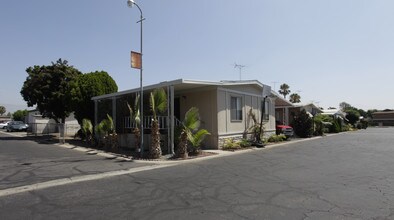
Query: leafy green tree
column 370, row 112
column 19, row 115
column 284, row 90
column 352, row 116
column 87, row 86
column 295, row 98
column 320, row 123
column 362, row 113
column 158, row 104
column 303, row 124
column 49, row 87
column 344, row 106
column 2, row 110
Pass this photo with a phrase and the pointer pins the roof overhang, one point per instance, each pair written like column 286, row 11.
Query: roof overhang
column 312, row 105
column 279, row 101
column 182, row 85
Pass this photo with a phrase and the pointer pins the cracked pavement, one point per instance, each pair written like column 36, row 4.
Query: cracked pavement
column 346, row 176
column 25, row 162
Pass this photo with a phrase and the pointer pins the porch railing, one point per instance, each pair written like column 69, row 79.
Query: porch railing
column 163, row 122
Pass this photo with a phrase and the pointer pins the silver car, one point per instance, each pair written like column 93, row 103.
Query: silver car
column 3, row 124
column 17, row 126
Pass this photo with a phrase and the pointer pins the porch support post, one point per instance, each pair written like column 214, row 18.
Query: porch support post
column 95, row 111
column 168, row 123
column 286, row 115
column 114, row 111
column 172, row 121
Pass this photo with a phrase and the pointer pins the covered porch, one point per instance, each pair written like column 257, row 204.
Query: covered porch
column 282, row 109
column 181, row 95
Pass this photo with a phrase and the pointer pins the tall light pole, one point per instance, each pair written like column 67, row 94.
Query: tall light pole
column 131, row 3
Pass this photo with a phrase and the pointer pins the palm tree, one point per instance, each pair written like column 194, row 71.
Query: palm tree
column 196, row 140
column 135, row 117
column 295, row 98
column 284, row 90
column 158, row 104
column 190, row 133
column 87, row 130
column 106, row 131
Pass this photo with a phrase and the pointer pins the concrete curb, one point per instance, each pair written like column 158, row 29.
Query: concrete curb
column 217, row 153
column 76, row 179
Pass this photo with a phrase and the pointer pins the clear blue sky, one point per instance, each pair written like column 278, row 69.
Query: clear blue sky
column 330, row 50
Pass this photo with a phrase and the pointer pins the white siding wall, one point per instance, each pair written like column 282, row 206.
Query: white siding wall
column 231, row 128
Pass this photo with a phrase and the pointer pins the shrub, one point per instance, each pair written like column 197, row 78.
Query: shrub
column 303, row 124
column 319, row 128
column 245, row 143
column 277, row 138
column 230, row 144
column 335, row 127
column 347, row 127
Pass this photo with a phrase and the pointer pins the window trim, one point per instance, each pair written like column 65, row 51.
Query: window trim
column 238, row 117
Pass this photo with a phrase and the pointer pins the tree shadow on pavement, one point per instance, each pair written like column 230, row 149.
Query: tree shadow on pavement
column 44, row 139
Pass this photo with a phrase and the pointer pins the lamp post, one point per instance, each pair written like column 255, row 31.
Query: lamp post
column 131, row 3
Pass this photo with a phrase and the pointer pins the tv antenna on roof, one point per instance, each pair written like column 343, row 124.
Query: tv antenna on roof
column 240, row 69
column 275, row 82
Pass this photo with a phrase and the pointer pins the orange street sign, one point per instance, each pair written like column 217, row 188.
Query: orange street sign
column 136, row 60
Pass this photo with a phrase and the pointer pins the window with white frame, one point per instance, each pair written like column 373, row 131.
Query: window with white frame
column 265, row 109
column 236, row 108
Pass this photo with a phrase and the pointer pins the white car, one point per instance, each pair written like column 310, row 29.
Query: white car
column 4, row 124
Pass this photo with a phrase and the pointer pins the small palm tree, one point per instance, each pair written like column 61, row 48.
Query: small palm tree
column 135, row 117
column 295, row 98
column 106, row 131
column 158, row 104
column 87, row 130
column 196, row 140
column 100, row 131
column 190, row 133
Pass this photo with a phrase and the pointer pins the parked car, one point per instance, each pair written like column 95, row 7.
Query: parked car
column 284, row 129
column 3, row 124
column 17, row 126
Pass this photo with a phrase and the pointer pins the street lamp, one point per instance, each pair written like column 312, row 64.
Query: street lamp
column 131, row 3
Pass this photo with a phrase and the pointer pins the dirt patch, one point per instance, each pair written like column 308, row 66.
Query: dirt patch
column 169, row 157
